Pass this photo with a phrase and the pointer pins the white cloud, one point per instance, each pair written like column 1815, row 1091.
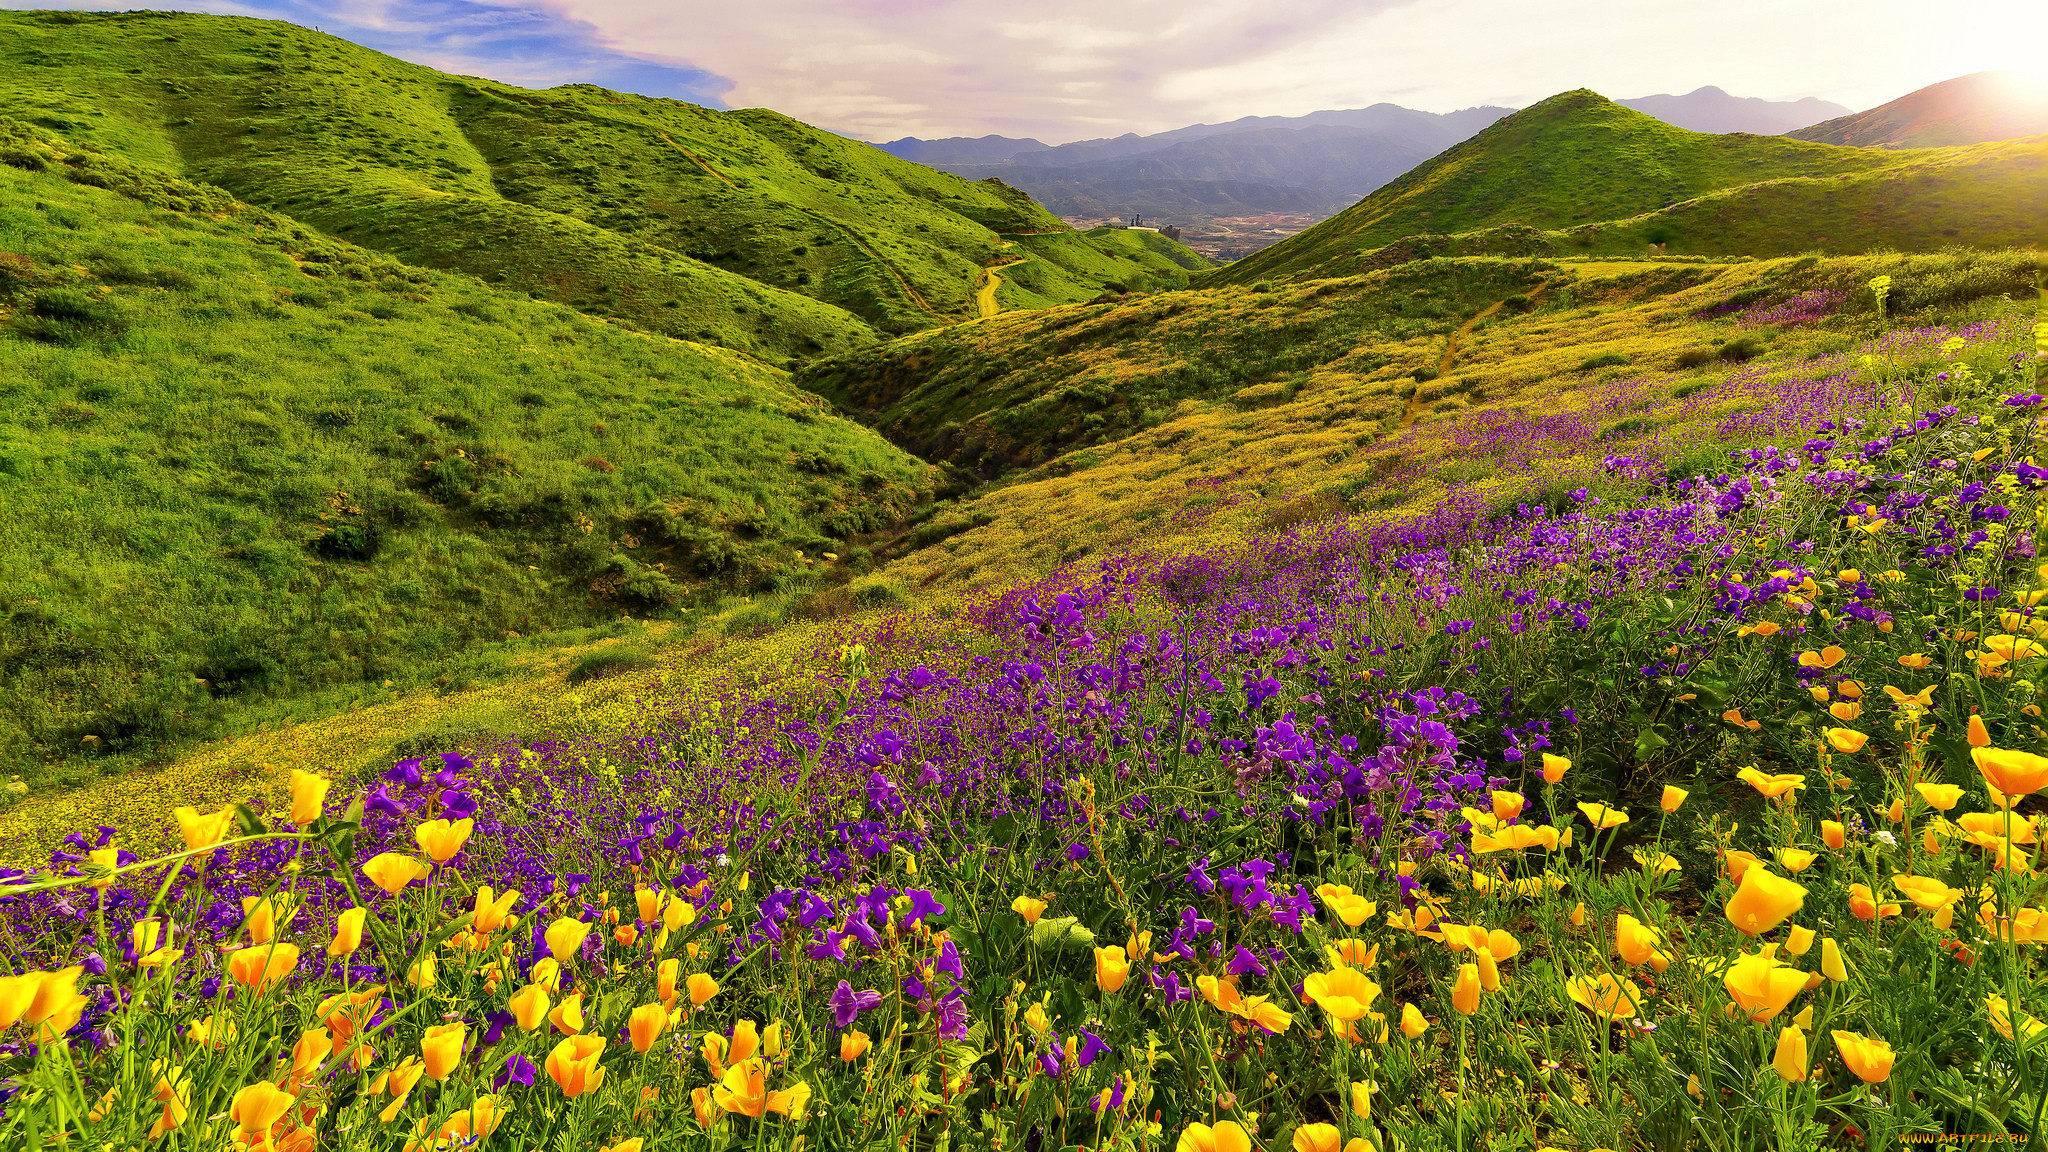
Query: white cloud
column 1062, row 69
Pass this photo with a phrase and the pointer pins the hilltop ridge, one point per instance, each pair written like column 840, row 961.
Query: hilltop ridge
column 1971, row 109
column 1579, row 173
column 746, row 229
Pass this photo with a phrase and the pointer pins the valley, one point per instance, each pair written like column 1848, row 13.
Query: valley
column 564, row 618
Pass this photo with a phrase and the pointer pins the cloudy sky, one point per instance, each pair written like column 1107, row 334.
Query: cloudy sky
column 1072, row 69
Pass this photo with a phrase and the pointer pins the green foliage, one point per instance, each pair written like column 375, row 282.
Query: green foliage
column 1019, row 390
column 241, row 462
column 745, row 229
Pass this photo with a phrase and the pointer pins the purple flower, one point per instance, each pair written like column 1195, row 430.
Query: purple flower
column 1244, row 962
column 1092, row 1047
column 847, row 1005
column 518, row 1070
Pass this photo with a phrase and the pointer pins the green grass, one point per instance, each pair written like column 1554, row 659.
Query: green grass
column 1580, row 174
column 746, row 229
column 244, row 463
column 1021, row 389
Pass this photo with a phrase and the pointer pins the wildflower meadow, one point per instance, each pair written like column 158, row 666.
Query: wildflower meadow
column 1695, row 812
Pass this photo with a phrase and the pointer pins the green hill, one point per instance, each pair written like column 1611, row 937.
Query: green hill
column 1594, row 176
column 241, row 462
column 746, row 228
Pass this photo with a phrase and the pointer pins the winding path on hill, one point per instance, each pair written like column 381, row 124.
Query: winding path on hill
column 1450, row 356
column 985, row 292
column 699, row 161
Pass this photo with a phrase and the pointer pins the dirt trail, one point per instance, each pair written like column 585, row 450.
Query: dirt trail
column 985, row 292
column 699, row 161
column 1450, row 356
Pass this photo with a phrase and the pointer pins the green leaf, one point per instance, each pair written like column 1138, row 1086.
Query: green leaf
column 1648, row 743
column 1061, row 933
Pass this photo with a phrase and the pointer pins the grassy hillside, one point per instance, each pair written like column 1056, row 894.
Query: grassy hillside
column 1370, row 413
column 1993, row 195
column 1023, row 388
column 241, row 462
column 1574, row 157
column 1060, row 267
column 745, row 228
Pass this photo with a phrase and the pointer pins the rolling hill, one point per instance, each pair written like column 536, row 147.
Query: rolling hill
column 242, row 462
column 1581, row 174
column 746, row 229
column 1967, row 110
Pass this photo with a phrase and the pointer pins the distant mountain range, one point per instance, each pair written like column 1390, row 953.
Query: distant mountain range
column 1296, row 166
column 1710, row 109
column 1967, row 110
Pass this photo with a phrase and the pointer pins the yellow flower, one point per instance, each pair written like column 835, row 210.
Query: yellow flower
column 1978, row 735
column 1655, row 861
column 1673, row 797
column 258, row 1106
column 1847, row 740
column 573, row 1065
column 392, row 871
column 204, row 831
column 1863, row 904
column 1761, row 985
column 264, row 915
column 1028, row 908
column 259, row 967
column 1790, row 1060
column 547, row 972
column 1939, row 796
column 2001, row 1019
column 1604, row 996
column 1507, row 805
column 568, row 1015
column 1798, row 940
column 1634, row 941
column 565, row 936
column 853, row 1045
column 109, row 859
column 530, row 1007
column 1831, row 965
column 441, row 1049
column 1228, row 1136
column 1554, row 768
column 1345, row 993
column 645, row 1026
column 701, row 988
column 1850, row 689
column 348, row 931
column 1413, row 1024
column 441, row 839
column 1772, row 786
column 1224, row 995
column 1833, row 834
column 1603, row 816
column 1734, row 716
column 1349, row 907
column 1762, row 901
column 493, row 911
column 1869, row 1058
column 2013, row 773
column 1112, row 968
column 1796, row 859
column 1465, row 989
column 1916, row 661
column 1845, row 710
column 1827, row 657
column 309, row 795
column 1317, row 1138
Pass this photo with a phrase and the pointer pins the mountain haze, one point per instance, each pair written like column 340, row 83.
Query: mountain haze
column 1970, row 109
column 1710, row 109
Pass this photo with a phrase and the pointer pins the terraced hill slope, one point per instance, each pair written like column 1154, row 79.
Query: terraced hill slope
column 241, row 462
column 745, row 228
column 1580, row 174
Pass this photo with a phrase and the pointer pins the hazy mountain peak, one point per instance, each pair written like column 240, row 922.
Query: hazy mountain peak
column 1712, row 109
column 1969, row 109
